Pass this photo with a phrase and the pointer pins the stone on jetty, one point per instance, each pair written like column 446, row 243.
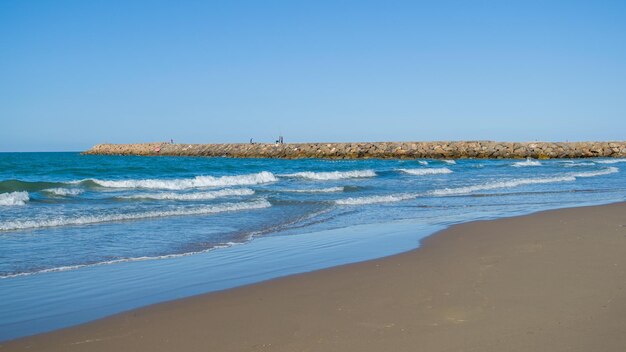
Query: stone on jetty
column 381, row 150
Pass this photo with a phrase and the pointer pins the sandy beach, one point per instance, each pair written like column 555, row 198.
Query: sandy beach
column 551, row 281
column 329, row 176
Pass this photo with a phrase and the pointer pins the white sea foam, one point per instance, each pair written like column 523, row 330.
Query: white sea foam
column 527, row 162
column 92, row 219
column 475, row 188
column 159, row 257
column 192, row 196
column 455, row 191
column 316, row 190
column 521, row 182
column 607, row 171
column 451, row 162
column 573, row 164
column 422, row 162
column 64, row 192
column 422, row 172
column 332, row 175
column 14, row 198
column 391, row 198
column 611, row 161
column 500, row 184
column 188, row 183
column 116, row 261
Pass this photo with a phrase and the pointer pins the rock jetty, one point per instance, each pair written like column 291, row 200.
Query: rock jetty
column 381, row 150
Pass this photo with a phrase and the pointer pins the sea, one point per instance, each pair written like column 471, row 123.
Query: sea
column 86, row 236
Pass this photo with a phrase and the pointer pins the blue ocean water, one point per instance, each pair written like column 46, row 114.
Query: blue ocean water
column 83, row 237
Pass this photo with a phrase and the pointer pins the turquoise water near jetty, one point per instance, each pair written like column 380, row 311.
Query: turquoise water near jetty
column 83, row 237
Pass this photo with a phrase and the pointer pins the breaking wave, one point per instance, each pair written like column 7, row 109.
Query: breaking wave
column 392, row 198
column 188, row 183
column 422, row 172
column 93, row 219
column 607, row 171
column 450, row 162
column 527, row 162
column 192, row 196
column 316, row 190
column 14, row 198
column 333, row 175
column 63, row 192
column 475, row 188
column 500, row 184
column 521, row 182
column 611, row 161
column 574, row 164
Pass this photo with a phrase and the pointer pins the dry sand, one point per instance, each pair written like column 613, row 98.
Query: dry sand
column 552, row 281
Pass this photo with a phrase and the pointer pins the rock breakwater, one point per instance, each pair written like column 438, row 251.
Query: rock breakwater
column 381, row 150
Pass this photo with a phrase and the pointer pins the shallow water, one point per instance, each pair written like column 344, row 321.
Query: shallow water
column 82, row 237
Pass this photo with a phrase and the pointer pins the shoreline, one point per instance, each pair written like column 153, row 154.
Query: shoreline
column 375, row 150
column 449, row 285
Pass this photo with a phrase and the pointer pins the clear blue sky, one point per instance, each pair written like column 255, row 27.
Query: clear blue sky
column 76, row 73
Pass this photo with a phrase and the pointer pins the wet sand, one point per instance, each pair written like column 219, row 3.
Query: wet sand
column 551, row 281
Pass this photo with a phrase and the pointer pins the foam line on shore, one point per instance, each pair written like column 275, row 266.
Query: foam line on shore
column 114, row 261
